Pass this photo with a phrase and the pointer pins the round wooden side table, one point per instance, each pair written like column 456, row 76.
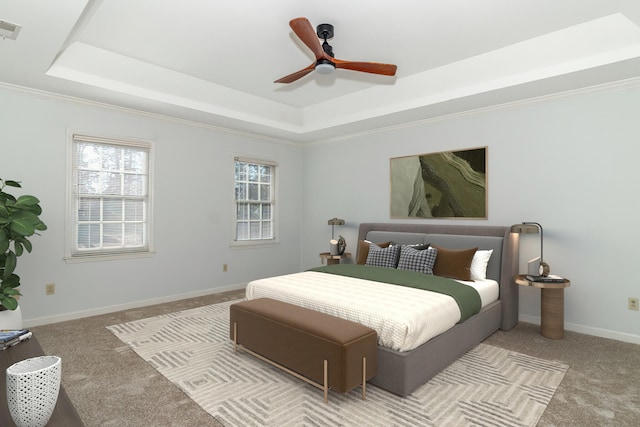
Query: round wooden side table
column 551, row 305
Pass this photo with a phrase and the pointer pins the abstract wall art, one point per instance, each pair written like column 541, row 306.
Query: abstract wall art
column 448, row 184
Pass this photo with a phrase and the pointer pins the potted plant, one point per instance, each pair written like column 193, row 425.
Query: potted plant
column 19, row 219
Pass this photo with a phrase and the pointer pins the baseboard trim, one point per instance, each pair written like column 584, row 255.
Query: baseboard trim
column 29, row 323
column 589, row 330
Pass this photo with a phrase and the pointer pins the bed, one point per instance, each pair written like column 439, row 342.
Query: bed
column 410, row 361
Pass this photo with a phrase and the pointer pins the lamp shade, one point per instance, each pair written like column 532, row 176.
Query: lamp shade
column 335, row 221
column 525, row 228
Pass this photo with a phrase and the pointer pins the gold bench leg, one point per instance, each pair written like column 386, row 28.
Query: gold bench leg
column 235, row 337
column 326, row 381
column 364, row 378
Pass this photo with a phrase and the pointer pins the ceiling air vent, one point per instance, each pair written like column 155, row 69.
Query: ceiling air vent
column 9, row 30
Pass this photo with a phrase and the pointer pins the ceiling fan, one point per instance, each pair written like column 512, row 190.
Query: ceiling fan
column 325, row 62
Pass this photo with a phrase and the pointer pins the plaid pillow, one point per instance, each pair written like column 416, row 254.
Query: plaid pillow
column 420, row 246
column 383, row 257
column 363, row 250
column 415, row 260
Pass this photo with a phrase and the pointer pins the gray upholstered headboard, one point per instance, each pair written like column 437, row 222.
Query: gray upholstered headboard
column 503, row 264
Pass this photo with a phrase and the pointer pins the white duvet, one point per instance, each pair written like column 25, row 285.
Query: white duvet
column 403, row 317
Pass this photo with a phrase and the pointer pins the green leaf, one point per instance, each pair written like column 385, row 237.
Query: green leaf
column 17, row 247
column 9, row 303
column 8, row 199
column 12, row 281
column 26, row 243
column 22, row 223
column 27, row 201
column 11, row 291
column 9, row 265
column 11, row 183
column 25, row 215
column 35, row 209
column 22, row 228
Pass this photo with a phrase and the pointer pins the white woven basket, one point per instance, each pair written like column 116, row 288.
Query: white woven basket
column 32, row 390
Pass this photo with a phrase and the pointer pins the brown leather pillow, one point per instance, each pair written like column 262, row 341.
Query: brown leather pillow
column 454, row 264
column 363, row 250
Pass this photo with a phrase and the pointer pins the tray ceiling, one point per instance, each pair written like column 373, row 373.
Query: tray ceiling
column 215, row 62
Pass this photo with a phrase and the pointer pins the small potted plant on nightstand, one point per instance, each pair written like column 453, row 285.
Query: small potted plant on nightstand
column 19, row 219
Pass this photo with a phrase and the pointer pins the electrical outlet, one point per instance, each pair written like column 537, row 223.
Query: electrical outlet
column 633, row 303
column 225, row 267
column 50, row 288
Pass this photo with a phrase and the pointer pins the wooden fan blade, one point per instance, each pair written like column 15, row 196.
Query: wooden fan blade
column 305, row 32
column 297, row 75
column 367, row 67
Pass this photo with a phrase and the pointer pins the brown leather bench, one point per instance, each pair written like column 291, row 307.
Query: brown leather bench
column 325, row 351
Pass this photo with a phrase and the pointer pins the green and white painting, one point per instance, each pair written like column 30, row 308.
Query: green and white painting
column 449, row 184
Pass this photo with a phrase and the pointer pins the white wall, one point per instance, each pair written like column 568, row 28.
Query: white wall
column 193, row 191
column 569, row 163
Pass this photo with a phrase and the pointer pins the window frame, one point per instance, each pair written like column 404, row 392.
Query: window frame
column 72, row 252
column 273, row 202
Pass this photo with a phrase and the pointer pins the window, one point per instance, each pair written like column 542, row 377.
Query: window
column 254, row 200
column 110, row 205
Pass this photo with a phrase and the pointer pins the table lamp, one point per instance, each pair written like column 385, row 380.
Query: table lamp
column 336, row 247
column 533, row 228
column 333, row 222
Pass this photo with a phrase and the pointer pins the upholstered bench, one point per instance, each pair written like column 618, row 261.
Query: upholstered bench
column 325, row 351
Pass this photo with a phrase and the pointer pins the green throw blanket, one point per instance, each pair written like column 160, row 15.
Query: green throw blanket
column 467, row 297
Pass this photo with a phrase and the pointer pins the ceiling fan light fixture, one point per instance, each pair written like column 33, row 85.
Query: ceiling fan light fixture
column 325, row 66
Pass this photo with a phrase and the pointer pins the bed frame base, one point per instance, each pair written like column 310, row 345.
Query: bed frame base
column 403, row 372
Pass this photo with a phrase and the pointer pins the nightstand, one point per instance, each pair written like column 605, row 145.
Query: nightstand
column 333, row 259
column 551, row 305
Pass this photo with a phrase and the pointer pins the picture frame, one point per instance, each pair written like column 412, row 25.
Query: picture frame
column 446, row 184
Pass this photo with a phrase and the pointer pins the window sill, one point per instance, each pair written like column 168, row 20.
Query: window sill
column 107, row 257
column 253, row 244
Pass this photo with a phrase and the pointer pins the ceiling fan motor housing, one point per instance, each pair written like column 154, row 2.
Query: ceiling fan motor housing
column 325, row 31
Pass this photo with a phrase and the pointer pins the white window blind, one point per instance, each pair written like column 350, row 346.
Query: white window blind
column 110, row 203
column 255, row 200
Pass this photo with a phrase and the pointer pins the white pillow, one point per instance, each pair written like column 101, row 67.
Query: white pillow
column 479, row 264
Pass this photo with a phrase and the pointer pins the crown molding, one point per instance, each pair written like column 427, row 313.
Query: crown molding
column 617, row 85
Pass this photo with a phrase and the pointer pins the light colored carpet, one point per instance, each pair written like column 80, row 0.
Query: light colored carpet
column 191, row 348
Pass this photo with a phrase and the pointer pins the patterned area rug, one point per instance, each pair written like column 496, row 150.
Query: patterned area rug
column 488, row 386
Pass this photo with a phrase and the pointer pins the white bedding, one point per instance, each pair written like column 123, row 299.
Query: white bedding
column 403, row 317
